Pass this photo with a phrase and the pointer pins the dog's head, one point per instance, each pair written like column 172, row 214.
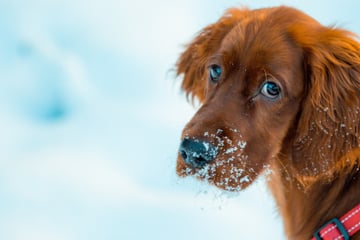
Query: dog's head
column 273, row 83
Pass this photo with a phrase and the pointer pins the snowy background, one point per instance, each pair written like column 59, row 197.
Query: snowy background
column 90, row 120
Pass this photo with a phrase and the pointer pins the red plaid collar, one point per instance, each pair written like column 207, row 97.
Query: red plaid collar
column 340, row 228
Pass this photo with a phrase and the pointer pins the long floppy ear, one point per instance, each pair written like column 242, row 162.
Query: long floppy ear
column 193, row 61
column 328, row 128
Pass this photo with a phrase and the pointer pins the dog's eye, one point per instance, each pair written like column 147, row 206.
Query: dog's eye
column 215, row 73
column 271, row 90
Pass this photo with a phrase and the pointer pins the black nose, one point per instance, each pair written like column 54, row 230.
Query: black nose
column 197, row 153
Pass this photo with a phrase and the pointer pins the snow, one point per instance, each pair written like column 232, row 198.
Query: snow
column 206, row 145
column 244, row 179
column 91, row 120
column 242, row 144
column 231, row 150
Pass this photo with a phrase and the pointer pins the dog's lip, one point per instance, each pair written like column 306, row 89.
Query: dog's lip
column 182, row 169
column 215, row 179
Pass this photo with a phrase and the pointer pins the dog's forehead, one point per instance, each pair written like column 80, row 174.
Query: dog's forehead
column 255, row 42
column 264, row 32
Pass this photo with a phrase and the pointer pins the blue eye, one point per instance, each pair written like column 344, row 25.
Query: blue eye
column 215, row 73
column 271, row 90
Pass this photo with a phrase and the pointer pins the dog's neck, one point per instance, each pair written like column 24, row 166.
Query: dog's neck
column 305, row 209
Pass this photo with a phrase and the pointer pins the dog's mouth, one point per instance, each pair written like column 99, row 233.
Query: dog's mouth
column 219, row 173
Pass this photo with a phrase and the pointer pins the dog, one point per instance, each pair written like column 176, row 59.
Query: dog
column 280, row 96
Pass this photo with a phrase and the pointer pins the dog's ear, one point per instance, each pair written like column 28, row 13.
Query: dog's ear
column 328, row 128
column 334, row 73
column 193, row 61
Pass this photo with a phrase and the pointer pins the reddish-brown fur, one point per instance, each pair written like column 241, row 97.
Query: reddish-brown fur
column 307, row 141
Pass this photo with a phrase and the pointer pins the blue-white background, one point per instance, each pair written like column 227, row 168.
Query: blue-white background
column 90, row 120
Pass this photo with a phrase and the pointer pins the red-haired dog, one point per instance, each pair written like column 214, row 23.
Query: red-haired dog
column 280, row 95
